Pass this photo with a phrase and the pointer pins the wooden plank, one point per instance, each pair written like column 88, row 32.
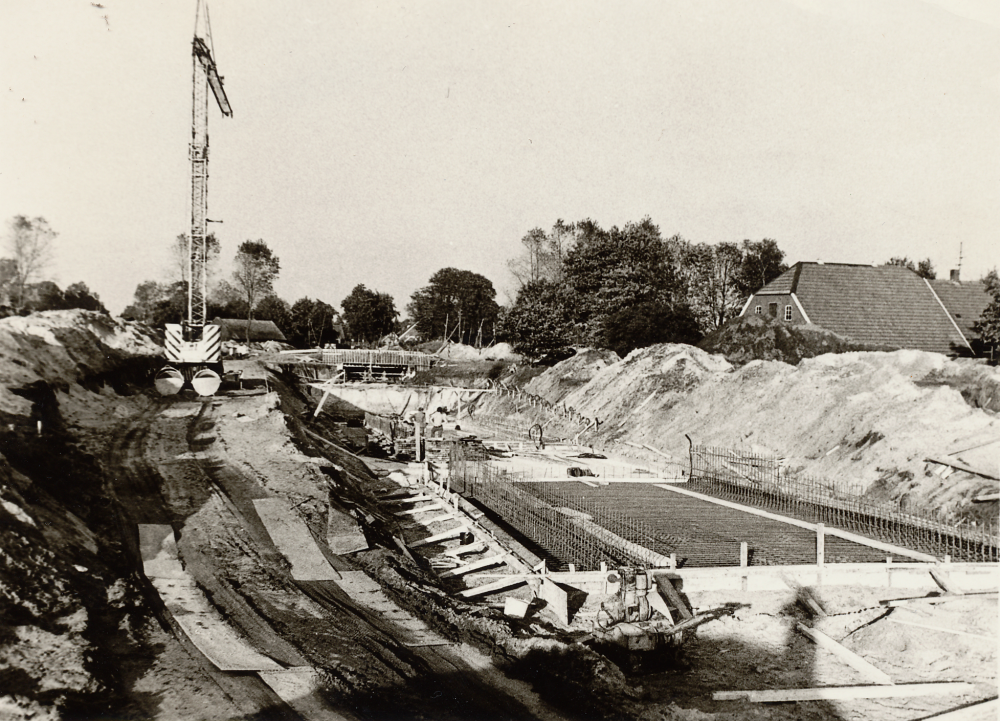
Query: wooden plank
column 474, row 566
column 666, row 586
column 942, row 629
column 423, row 509
column 292, row 538
column 866, row 669
column 513, row 580
column 834, row 693
column 958, row 465
column 982, row 711
column 444, row 535
column 937, row 599
column 941, row 580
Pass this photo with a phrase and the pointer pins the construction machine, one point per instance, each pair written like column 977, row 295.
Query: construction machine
column 194, row 347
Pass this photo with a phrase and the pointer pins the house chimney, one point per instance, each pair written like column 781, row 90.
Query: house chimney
column 954, row 275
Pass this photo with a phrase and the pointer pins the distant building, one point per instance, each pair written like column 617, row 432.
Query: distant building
column 235, row 329
column 886, row 305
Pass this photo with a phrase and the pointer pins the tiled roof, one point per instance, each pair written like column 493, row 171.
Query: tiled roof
column 965, row 301
column 883, row 305
column 260, row 330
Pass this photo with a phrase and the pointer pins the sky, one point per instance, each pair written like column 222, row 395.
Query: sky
column 377, row 143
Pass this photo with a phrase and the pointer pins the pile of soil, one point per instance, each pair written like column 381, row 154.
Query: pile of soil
column 758, row 337
column 68, row 613
column 862, row 417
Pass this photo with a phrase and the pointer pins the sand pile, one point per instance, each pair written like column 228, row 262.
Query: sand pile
column 562, row 379
column 864, row 418
column 462, row 352
column 58, row 348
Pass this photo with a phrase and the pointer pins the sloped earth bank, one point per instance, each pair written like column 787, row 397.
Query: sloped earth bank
column 82, row 634
column 868, row 418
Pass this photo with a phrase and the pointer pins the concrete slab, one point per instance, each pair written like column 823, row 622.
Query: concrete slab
column 158, row 550
column 343, row 535
column 367, row 593
column 299, row 687
column 293, row 540
column 217, row 640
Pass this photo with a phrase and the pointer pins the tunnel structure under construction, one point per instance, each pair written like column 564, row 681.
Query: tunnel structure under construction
column 727, row 510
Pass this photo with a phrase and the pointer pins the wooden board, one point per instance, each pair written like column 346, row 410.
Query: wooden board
column 666, row 587
column 866, row 669
column 293, row 540
column 217, row 640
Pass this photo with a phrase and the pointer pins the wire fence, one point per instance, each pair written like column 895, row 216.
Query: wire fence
column 762, row 482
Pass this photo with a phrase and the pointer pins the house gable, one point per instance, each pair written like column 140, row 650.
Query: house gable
column 879, row 305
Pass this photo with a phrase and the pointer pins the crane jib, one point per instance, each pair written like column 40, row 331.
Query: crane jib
column 204, row 55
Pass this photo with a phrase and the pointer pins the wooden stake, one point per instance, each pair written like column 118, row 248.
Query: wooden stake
column 847, row 656
column 744, row 559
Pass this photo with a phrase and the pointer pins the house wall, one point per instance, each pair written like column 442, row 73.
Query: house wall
column 782, row 302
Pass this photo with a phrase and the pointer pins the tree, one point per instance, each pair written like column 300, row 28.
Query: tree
column 255, row 270
column 276, row 310
column 539, row 321
column 369, row 314
column 225, row 301
column 179, row 252
column 988, row 325
column 609, row 271
column 925, row 268
column 456, row 303
column 715, row 292
column 78, row 295
column 144, row 301
column 649, row 323
column 763, row 261
column 29, row 243
column 544, row 254
column 311, row 323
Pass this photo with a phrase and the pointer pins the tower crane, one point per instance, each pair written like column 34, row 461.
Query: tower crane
column 194, row 347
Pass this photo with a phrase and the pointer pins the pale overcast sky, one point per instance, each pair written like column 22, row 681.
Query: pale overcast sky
column 376, row 143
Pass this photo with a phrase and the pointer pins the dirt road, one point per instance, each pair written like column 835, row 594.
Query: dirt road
column 167, row 471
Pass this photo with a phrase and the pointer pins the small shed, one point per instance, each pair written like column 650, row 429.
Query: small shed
column 235, row 329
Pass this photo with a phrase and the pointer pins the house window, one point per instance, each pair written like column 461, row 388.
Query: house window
column 756, row 310
column 788, row 312
column 772, row 309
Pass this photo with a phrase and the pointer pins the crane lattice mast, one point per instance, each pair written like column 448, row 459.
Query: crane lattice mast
column 204, row 74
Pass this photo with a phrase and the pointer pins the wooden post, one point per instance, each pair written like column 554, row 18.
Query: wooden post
column 820, row 552
column 416, row 437
column 673, row 561
column 744, row 558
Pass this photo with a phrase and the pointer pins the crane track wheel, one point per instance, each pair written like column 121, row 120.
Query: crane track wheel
column 206, row 382
column 169, row 381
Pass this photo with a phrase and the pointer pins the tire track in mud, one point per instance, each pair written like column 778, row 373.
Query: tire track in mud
column 135, row 484
column 162, row 475
column 429, row 681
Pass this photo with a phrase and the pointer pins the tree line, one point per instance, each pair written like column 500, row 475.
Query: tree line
column 628, row 287
column 578, row 284
column 29, row 246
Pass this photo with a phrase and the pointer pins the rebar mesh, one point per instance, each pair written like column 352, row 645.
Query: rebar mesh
column 761, row 481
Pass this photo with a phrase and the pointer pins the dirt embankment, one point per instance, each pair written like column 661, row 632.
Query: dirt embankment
column 65, row 601
column 869, row 418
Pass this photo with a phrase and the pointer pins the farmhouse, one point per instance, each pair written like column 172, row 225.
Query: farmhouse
column 884, row 305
